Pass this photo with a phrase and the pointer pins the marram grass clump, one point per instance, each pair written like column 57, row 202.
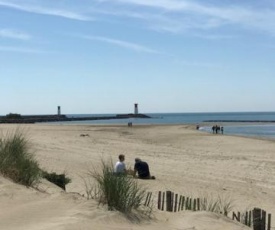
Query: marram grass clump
column 118, row 192
column 17, row 162
column 221, row 204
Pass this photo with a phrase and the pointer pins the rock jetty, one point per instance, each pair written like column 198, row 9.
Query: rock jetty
column 241, row 121
column 17, row 118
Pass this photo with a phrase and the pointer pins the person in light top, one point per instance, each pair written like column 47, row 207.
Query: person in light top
column 120, row 167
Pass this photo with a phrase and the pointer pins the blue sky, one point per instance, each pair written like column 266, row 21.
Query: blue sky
column 102, row 56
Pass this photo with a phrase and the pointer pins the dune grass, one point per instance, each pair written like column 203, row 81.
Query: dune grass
column 118, row 192
column 221, row 204
column 17, row 162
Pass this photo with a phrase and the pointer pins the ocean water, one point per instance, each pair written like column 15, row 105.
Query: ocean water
column 254, row 129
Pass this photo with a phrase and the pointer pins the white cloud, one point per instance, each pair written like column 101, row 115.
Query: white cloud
column 31, row 8
column 214, row 36
column 198, row 64
column 176, row 16
column 14, row 34
column 180, row 15
column 124, row 44
column 20, row 50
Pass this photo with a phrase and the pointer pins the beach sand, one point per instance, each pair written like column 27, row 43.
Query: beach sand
column 184, row 160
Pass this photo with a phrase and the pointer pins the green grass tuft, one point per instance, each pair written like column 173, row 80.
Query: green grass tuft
column 16, row 160
column 118, row 192
column 220, row 204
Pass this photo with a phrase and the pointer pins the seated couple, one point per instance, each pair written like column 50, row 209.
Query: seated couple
column 141, row 168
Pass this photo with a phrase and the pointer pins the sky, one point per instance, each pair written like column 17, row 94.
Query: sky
column 102, row 56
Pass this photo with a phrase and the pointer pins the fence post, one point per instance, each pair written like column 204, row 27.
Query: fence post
column 234, row 216
column 263, row 220
column 269, row 222
column 257, row 219
column 176, row 203
column 195, row 205
column 246, row 219
column 159, row 200
column 198, row 203
column 187, row 203
column 172, row 201
column 250, row 219
column 180, row 200
column 163, row 198
column 148, row 198
column 182, row 204
column 190, row 203
column 169, row 201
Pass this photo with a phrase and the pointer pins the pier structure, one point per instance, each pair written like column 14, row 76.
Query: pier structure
column 18, row 118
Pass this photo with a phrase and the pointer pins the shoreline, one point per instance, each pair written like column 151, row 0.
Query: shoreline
column 186, row 126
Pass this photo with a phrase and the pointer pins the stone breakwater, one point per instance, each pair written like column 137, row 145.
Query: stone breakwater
column 59, row 118
column 252, row 121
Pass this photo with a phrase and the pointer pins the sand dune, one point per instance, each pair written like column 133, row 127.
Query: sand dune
column 184, row 160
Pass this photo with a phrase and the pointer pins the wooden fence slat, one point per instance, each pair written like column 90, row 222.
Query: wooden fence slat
column 246, row 219
column 190, row 204
column 235, row 216
column 250, row 219
column 195, row 205
column 172, row 201
column 180, row 200
column 169, row 201
column 163, row 198
column 187, row 203
column 176, row 203
column 159, row 200
column 198, row 203
column 263, row 220
column 257, row 219
column 147, row 197
column 182, row 204
column 269, row 222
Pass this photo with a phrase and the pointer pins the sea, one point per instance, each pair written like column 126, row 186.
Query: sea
column 250, row 124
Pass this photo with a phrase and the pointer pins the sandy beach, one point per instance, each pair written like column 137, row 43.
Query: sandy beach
column 183, row 159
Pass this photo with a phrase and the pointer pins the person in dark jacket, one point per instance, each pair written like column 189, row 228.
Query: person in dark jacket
column 142, row 169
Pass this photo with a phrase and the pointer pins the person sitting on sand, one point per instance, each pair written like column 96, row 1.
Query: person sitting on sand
column 120, row 167
column 142, row 168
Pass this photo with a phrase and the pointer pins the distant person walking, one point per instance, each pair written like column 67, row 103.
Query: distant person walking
column 217, row 129
column 213, row 129
column 222, row 129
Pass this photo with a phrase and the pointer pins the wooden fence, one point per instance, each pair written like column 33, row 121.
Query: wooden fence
column 171, row 202
column 168, row 201
column 257, row 218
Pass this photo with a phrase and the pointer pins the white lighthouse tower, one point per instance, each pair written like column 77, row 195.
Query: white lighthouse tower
column 136, row 109
column 58, row 110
